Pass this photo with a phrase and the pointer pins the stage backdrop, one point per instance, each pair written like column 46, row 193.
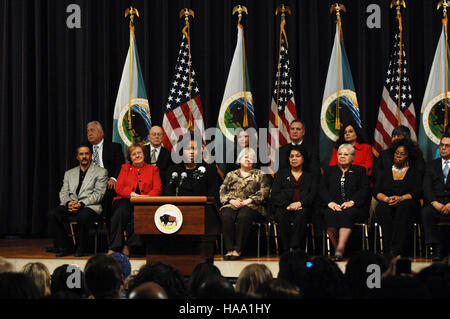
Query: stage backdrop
column 53, row 80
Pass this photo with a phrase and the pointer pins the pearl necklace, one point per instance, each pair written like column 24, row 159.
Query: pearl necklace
column 399, row 170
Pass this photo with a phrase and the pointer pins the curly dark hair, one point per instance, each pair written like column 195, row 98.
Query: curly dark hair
column 360, row 138
column 414, row 152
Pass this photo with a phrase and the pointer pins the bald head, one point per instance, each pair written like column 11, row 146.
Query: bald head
column 156, row 135
column 148, row 290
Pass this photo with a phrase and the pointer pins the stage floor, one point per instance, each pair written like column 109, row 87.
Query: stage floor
column 22, row 251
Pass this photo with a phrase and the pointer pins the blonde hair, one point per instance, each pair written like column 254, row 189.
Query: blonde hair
column 39, row 273
column 251, row 278
column 5, row 265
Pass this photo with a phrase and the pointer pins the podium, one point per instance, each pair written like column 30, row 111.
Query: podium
column 192, row 243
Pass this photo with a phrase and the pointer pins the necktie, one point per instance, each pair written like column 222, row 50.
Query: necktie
column 446, row 169
column 153, row 158
column 95, row 157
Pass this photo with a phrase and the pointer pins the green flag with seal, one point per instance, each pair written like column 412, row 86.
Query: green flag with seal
column 339, row 103
column 236, row 110
column 434, row 112
column 132, row 120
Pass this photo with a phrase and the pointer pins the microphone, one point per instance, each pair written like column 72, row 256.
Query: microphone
column 183, row 176
column 173, row 177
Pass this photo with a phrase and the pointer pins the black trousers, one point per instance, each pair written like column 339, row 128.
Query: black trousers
column 59, row 218
column 236, row 225
column 292, row 228
column 433, row 235
column 122, row 220
column 107, row 202
column 395, row 222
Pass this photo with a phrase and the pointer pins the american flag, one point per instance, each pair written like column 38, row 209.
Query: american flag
column 283, row 112
column 177, row 110
column 396, row 91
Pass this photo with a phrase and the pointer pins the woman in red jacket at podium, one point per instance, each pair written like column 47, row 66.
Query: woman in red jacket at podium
column 136, row 178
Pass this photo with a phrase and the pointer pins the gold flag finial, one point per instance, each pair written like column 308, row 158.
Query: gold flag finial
column 444, row 4
column 186, row 31
column 398, row 4
column 186, row 13
column 283, row 9
column 239, row 9
column 338, row 8
column 132, row 11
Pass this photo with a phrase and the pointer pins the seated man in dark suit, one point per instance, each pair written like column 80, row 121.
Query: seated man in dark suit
column 81, row 195
column 297, row 134
column 156, row 154
column 105, row 154
column 108, row 155
column 436, row 189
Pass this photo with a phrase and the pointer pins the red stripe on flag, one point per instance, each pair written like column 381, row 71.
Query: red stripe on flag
column 411, row 119
column 388, row 113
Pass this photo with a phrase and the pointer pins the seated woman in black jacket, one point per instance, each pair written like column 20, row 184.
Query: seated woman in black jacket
column 292, row 197
column 344, row 190
column 398, row 190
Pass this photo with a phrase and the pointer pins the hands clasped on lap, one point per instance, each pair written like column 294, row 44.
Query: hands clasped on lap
column 295, row 206
column 441, row 208
column 239, row 203
column 336, row 207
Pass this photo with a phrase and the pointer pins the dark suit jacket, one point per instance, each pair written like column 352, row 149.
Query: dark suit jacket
column 112, row 157
column 433, row 183
column 313, row 157
column 356, row 186
column 283, row 189
column 164, row 161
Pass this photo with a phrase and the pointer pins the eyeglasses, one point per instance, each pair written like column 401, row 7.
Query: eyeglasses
column 444, row 145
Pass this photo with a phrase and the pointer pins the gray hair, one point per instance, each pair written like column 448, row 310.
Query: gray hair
column 349, row 147
column 99, row 125
column 246, row 151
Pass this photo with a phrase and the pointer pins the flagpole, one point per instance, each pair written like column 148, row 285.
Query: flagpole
column 338, row 7
column 444, row 5
column 132, row 12
column 398, row 4
column 187, row 32
column 239, row 9
column 283, row 9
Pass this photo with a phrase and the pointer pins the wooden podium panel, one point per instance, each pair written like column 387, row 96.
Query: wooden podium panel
column 195, row 240
column 193, row 220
